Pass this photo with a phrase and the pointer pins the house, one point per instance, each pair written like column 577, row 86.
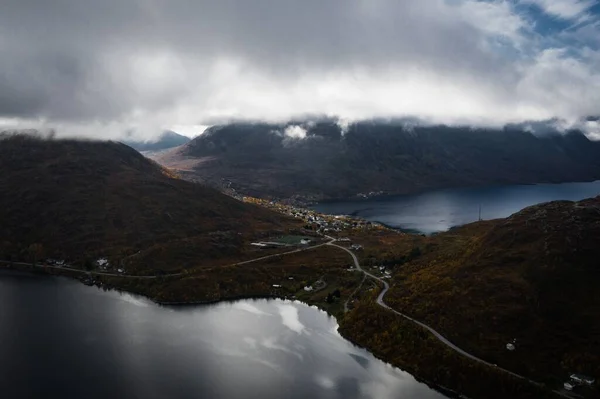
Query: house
column 276, row 286
column 308, row 288
column 356, row 247
column 582, row 379
column 568, row 386
column 102, row 262
column 510, row 347
column 305, row 241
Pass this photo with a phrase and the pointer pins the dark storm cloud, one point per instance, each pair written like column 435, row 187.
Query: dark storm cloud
column 184, row 61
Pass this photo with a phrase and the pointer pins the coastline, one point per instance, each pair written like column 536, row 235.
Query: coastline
column 413, row 362
column 44, row 273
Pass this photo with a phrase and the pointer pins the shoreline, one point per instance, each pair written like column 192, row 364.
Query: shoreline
column 37, row 272
column 344, row 325
column 391, row 195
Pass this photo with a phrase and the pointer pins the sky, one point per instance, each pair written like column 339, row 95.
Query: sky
column 101, row 68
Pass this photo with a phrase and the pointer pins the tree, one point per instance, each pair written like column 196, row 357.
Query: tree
column 88, row 264
column 329, row 298
column 36, row 251
column 415, row 252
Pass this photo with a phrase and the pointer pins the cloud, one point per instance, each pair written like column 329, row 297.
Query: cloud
column 290, row 318
column 271, row 343
column 566, row 9
column 100, row 68
column 295, row 132
column 247, row 307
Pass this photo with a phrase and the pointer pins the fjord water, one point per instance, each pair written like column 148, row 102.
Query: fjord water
column 440, row 210
column 61, row 339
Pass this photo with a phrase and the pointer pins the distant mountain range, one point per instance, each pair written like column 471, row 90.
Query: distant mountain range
column 317, row 161
column 168, row 139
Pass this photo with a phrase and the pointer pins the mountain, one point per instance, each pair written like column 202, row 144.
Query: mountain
column 530, row 279
column 165, row 141
column 318, row 161
column 80, row 200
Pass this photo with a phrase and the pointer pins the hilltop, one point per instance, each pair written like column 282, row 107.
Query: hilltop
column 79, row 200
column 530, row 279
column 319, row 160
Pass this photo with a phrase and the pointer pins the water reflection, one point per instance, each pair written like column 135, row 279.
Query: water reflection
column 68, row 340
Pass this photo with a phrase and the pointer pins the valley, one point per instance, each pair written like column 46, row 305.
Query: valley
column 442, row 307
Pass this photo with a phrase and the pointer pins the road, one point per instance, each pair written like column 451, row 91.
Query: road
column 154, row 276
column 354, row 293
column 380, row 300
column 439, row 336
column 89, row 272
column 331, row 239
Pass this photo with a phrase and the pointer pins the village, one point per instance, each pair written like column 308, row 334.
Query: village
column 315, row 221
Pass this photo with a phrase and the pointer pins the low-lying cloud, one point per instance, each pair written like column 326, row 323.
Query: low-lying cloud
column 100, row 68
column 295, row 132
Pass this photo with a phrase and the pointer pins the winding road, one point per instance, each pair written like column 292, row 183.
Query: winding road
column 332, row 243
column 439, row 336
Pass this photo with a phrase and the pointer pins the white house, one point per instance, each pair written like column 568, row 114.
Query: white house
column 102, row 262
column 568, row 386
column 308, row 288
column 582, row 379
column 305, row 241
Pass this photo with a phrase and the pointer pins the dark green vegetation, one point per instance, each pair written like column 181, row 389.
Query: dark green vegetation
column 532, row 277
column 409, row 347
column 166, row 140
column 259, row 160
column 79, row 201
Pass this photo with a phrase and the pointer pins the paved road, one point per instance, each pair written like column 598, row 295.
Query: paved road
column 284, row 253
column 331, row 242
column 154, row 276
column 439, row 336
column 89, row 272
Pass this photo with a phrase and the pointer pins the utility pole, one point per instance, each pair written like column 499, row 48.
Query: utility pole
column 480, row 212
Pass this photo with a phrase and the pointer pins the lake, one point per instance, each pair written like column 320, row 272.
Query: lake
column 440, row 210
column 61, row 339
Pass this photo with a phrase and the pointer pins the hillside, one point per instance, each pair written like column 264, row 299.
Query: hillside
column 320, row 162
column 80, row 200
column 532, row 277
column 165, row 141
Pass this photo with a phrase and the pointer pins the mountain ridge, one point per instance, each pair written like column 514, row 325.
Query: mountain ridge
column 319, row 161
